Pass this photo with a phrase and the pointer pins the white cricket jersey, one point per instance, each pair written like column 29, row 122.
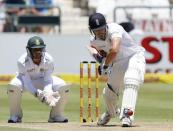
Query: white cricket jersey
column 43, row 70
column 127, row 46
column 30, row 72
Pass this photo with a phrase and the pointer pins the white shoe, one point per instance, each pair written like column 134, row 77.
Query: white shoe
column 126, row 122
column 105, row 118
column 15, row 119
column 58, row 119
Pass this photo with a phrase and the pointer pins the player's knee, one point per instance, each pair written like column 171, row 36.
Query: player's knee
column 14, row 90
column 62, row 88
column 110, row 93
column 16, row 82
column 111, row 99
column 58, row 81
column 133, row 77
column 64, row 92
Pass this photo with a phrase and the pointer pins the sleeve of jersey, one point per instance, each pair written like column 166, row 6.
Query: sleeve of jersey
column 48, row 78
column 26, row 79
column 116, row 32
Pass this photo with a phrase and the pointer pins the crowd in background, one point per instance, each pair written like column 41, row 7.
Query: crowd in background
column 87, row 7
column 7, row 23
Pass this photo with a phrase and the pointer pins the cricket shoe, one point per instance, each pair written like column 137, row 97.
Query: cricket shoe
column 58, row 119
column 15, row 119
column 104, row 119
column 126, row 121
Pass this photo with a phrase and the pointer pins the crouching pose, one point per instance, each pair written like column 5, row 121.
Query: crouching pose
column 122, row 61
column 35, row 68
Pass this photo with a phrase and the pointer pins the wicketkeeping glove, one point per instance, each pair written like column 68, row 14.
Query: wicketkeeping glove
column 50, row 98
column 39, row 95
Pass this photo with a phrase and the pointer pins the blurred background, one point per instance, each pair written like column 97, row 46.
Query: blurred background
column 63, row 24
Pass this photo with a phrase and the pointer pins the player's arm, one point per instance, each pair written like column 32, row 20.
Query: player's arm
column 48, row 77
column 95, row 53
column 104, row 69
column 26, row 78
column 51, row 97
column 115, row 45
column 27, row 83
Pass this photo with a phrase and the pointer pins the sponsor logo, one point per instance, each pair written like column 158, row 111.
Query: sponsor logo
column 30, row 70
column 42, row 70
column 101, row 46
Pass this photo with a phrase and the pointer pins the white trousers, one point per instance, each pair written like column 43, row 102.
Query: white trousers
column 129, row 71
column 16, row 87
column 117, row 77
column 39, row 83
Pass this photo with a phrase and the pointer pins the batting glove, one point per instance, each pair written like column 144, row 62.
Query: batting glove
column 98, row 57
column 103, row 70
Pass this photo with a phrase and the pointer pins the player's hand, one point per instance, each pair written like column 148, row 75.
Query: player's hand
column 103, row 70
column 98, row 57
column 51, row 98
column 39, row 94
column 102, row 53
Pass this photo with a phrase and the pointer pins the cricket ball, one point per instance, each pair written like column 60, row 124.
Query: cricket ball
column 130, row 112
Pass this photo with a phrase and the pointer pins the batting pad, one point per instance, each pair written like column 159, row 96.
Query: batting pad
column 64, row 88
column 111, row 100
column 136, row 70
column 59, row 108
column 15, row 95
column 129, row 99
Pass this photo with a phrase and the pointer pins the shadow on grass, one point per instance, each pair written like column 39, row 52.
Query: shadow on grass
column 110, row 125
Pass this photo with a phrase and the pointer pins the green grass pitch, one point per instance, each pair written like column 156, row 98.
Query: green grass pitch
column 155, row 104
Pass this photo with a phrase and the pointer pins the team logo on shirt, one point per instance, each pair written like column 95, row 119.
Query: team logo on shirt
column 30, row 70
column 41, row 70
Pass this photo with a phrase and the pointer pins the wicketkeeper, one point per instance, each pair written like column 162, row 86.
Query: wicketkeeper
column 122, row 61
column 35, row 69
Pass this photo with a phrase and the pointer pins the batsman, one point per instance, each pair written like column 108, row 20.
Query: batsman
column 122, row 61
column 35, row 68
